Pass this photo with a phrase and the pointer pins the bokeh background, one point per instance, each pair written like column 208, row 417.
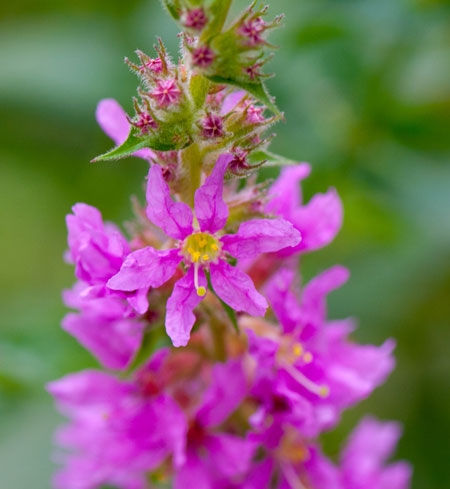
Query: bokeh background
column 364, row 85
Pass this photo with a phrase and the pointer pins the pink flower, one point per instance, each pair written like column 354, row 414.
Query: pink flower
column 118, row 431
column 145, row 123
column 311, row 366
column 166, row 93
column 202, row 56
column 113, row 120
column 367, row 450
column 200, row 247
column 153, row 64
column 318, row 221
column 195, row 19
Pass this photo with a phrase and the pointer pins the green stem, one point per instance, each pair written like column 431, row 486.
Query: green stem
column 192, row 165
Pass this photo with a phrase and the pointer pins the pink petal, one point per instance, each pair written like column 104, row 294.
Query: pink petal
column 210, row 209
column 260, row 236
column 236, row 289
column 286, row 190
column 89, row 387
column 228, row 388
column 112, row 343
column 231, row 101
column 284, row 302
column 145, row 268
column 113, row 120
column 174, row 218
column 319, row 221
column 179, row 313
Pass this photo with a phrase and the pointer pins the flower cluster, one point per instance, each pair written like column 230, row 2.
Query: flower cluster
column 223, row 369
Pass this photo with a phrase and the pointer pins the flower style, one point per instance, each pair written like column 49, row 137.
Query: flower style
column 318, row 221
column 200, row 247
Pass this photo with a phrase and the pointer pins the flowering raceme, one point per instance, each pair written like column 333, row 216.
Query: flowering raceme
column 249, row 371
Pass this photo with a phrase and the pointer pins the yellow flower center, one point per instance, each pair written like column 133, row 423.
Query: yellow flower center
column 201, row 248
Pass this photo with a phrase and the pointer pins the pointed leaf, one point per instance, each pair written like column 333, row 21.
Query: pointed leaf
column 161, row 140
column 258, row 90
column 270, row 158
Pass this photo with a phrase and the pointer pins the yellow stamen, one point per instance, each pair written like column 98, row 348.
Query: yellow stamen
column 307, row 357
column 298, row 349
column 205, row 257
column 201, row 291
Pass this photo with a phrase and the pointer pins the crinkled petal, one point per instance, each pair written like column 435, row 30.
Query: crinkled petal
column 87, row 388
column 231, row 100
column 236, row 289
column 145, row 268
column 286, row 192
column 112, row 343
column 174, row 218
column 210, row 208
column 284, row 302
column 179, row 313
column 314, row 294
column 230, row 455
column 113, row 120
column 363, row 458
column 193, row 474
column 224, row 394
column 318, row 221
column 261, row 236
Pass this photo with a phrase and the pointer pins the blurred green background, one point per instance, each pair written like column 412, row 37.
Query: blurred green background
column 364, row 85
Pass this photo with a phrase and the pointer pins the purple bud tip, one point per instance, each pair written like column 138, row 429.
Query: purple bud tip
column 195, row 19
column 212, row 126
column 166, row 92
column 202, row 56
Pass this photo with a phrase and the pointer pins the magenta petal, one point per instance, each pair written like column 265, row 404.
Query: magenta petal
column 236, row 289
column 260, row 236
column 210, row 208
column 114, row 343
column 318, row 221
column 145, row 268
column 113, row 120
column 228, row 388
column 231, row 100
column 174, row 218
column 286, row 192
column 184, row 299
column 283, row 300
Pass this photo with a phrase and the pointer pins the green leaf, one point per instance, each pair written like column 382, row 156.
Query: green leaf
column 173, row 7
column 162, row 140
column 271, row 158
column 229, row 311
column 258, row 90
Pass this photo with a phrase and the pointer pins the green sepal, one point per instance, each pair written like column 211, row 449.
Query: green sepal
column 257, row 89
column 198, row 88
column 219, row 11
column 160, row 140
column 228, row 310
column 271, row 159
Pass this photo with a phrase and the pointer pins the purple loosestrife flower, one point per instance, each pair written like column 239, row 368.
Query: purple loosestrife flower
column 368, row 448
column 318, row 221
column 118, row 430
column 200, row 246
column 311, row 367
